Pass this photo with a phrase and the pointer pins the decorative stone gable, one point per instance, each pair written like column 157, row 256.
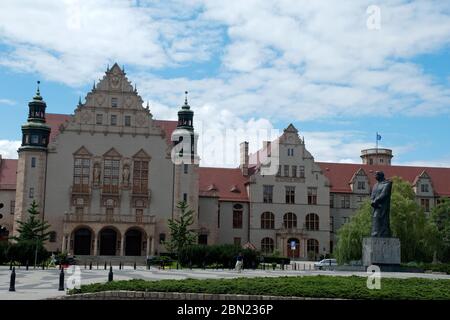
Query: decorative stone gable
column 290, row 136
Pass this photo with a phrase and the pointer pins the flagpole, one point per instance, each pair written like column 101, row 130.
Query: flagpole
column 376, row 149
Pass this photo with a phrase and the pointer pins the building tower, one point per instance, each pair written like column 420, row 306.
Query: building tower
column 377, row 156
column 32, row 163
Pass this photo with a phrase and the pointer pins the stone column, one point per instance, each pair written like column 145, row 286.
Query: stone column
column 121, row 246
column 95, row 243
column 68, row 244
column 147, row 249
column 63, row 243
column 152, row 246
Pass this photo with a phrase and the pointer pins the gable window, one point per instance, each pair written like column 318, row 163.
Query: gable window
column 361, row 185
column 127, row 121
column 267, row 194
column 424, row 187
column 114, row 102
column 290, row 194
column 140, row 176
column 113, row 120
column 237, row 219
column 312, row 195
column 111, row 176
column 301, row 170
column 81, row 174
column 290, row 152
column 99, row 118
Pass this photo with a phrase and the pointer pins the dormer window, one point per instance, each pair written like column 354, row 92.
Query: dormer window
column 361, row 185
column 424, row 187
column 114, row 102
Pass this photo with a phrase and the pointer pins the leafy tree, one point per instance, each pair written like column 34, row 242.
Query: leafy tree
column 34, row 228
column 180, row 234
column 440, row 217
column 419, row 238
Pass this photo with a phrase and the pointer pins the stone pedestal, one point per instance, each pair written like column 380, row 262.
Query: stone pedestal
column 383, row 252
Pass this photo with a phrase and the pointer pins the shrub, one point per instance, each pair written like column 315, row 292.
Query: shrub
column 3, row 250
column 24, row 251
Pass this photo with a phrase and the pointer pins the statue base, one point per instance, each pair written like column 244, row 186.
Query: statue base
column 383, row 252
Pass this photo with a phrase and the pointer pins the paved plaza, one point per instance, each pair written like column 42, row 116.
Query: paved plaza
column 41, row 284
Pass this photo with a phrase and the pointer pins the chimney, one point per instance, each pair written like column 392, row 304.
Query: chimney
column 244, row 158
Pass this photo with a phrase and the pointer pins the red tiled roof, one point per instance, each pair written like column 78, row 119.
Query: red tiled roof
column 340, row 174
column 168, row 126
column 224, row 180
column 54, row 120
column 8, row 173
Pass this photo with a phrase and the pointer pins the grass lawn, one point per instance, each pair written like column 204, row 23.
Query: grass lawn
column 353, row 287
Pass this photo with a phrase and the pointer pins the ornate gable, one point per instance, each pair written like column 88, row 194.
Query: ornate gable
column 290, row 135
column 82, row 152
column 112, row 153
column 141, row 154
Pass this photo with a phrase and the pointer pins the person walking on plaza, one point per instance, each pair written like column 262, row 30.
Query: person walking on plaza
column 239, row 262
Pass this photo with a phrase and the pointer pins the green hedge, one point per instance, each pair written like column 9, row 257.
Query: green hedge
column 436, row 267
column 277, row 260
column 217, row 255
column 352, row 287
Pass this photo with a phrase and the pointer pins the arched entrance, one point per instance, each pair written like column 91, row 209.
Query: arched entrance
column 82, row 241
column 108, row 242
column 133, row 242
column 293, row 253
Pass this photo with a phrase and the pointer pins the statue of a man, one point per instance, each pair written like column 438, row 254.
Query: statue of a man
column 126, row 175
column 381, row 204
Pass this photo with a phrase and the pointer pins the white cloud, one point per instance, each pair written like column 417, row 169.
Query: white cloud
column 8, row 102
column 8, row 148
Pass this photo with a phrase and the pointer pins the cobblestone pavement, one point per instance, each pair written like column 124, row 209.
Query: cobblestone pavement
column 41, row 284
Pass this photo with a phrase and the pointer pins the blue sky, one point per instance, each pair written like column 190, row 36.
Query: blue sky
column 248, row 65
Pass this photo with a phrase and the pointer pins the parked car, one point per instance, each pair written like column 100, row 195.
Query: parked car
column 325, row 264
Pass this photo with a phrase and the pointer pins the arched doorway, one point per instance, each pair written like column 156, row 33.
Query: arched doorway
column 82, row 241
column 108, row 242
column 293, row 253
column 133, row 242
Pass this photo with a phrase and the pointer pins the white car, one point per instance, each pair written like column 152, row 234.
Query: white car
column 325, row 263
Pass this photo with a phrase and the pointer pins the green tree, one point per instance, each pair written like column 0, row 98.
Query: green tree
column 440, row 217
column 180, row 234
column 34, row 228
column 418, row 236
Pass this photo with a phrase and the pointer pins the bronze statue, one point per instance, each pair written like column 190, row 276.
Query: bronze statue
column 381, row 204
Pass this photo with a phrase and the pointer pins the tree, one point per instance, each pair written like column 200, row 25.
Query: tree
column 418, row 236
column 180, row 234
column 440, row 217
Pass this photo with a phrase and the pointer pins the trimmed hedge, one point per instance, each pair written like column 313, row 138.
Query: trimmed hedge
column 352, row 287
column 217, row 255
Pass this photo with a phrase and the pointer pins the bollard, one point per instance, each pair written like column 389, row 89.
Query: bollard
column 110, row 274
column 12, row 282
column 10, row 265
column 61, row 280
column 97, row 265
column 26, row 267
column 90, row 265
column 105, row 265
column 134, row 266
column 85, row 264
column 177, row 265
column 303, row 267
column 43, row 266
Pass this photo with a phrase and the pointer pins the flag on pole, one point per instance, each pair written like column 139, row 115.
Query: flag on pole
column 378, row 137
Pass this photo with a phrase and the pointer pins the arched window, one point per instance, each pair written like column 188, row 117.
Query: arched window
column 267, row 245
column 312, row 245
column 52, row 236
column 290, row 220
column 267, row 220
column 312, row 221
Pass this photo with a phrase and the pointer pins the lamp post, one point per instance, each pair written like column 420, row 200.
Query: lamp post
column 35, row 253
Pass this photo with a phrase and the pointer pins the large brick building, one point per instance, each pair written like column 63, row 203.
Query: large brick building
column 105, row 180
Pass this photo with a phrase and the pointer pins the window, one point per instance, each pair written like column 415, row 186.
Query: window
column 301, row 170
column 360, row 199
column 294, row 171
column 114, row 102
column 331, row 200
column 279, row 170
column 290, row 152
column 361, row 185
column 267, row 194
column 312, row 195
column 81, row 172
column 267, row 220
column 345, row 201
column 31, row 193
column 267, row 245
column 185, row 168
column 312, row 245
column 346, row 219
column 286, row 171
column 33, row 162
column 290, row 194
column 34, row 139
column 203, row 239
column 425, row 203
column 127, row 121
column 113, row 120
column 332, row 224
column 381, row 160
column 237, row 241
column 370, row 161
column 290, row 220
column 424, row 187
column 312, row 222
column 52, row 236
column 111, row 176
column 237, row 219
column 185, row 197
column 140, row 177
column 79, row 210
column 12, row 206
column 99, row 118
column 162, row 238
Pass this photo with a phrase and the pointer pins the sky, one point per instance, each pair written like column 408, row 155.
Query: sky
column 338, row 71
